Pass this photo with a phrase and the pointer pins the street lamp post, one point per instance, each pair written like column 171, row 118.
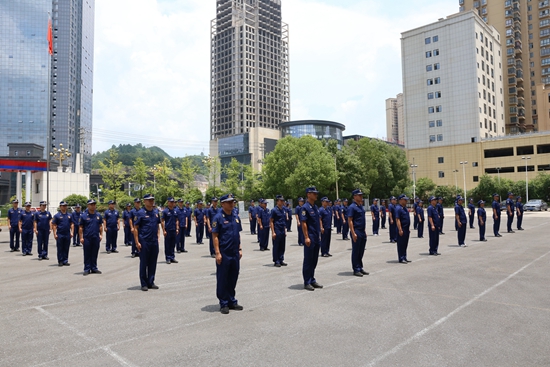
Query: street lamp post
column 414, row 166
column 456, row 181
column 464, row 176
column 60, row 154
column 336, row 171
column 526, row 179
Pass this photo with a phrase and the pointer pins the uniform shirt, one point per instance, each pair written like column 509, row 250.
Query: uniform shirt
column 111, row 217
column 288, row 212
column 310, row 214
column 181, row 213
column 345, row 212
column 374, row 209
column 496, row 206
column 336, row 210
column 126, row 215
column 519, row 205
column 298, row 211
column 512, row 206
column 402, row 214
column 459, row 209
column 63, row 223
column 75, row 217
column 42, row 220
column 357, row 215
column 90, row 223
column 13, row 216
column 27, row 219
column 279, row 219
column 434, row 214
column 148, row 222
column 382, row 211
column 440, row 210
column 252, row 211
column 188, row 212
column 481, row 214
column 199, row 215
column 228, row 228
column 420, row 212
column 471, row 209
column 326, row 218
column 393, row 212
column 264, row 215
column 133, row 214
column 170, row 217
column 211, row 213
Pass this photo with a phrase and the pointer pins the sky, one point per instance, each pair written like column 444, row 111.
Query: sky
column 152, row 66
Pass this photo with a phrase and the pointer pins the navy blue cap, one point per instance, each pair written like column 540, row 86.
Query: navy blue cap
column 251, row 201
column 495, row 194
column 28, row 203
column 148, row 197
column 510, row 194
column 440, row 198
column 227, row 198
column 345, row 200
column 171, row 200
column 63, row 203
column 471, row 199
column 111, row 202
column 43, row 202
column 180, row 200
column 300, row 199
column 186, row 203
column 420, row 202
column 91, row 201
column 137, row 200
column 279, row 197
column 325, row 199
column 214, row 199
column 77, row 206
column 199, row 202
column 312, row 190
column 357, row 192
column 518, row 197
column 392, row 197
column 403, row 196
column 480, row 202
column 458, row 198
column 127, row 205
column 375, row 199
column 432, row 198
column 15, row 201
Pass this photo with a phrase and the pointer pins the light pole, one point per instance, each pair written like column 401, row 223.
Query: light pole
column 60, row 155
column 464, row 176
column 526, row 179
column 414, row 166
column 336, row 171
column 456, row 181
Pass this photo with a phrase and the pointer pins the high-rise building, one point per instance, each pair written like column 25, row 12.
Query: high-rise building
column 250, row 93
column 43, row 94
column 525, row 29
column 452, row 82
column 395, row 124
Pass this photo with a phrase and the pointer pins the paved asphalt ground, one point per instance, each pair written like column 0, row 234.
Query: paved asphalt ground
column 484, row 305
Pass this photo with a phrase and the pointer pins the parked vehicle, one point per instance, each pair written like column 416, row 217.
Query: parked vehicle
column 535, row 205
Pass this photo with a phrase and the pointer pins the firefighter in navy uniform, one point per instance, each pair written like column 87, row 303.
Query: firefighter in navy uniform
column 311, row 227
column 13, row 223
column 63, row 228
column 146, row 237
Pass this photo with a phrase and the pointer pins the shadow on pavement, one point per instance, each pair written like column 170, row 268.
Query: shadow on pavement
column 345, row 274
column 211, row 308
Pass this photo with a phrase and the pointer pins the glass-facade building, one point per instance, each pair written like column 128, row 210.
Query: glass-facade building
column 319, row 129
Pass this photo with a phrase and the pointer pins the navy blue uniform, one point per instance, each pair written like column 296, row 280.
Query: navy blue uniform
column 13, row 222
column 496, row 218
column 199, row 226
column 510, row 210
column 434, row 232
column 147, row 223
column 393, row 226
column 326, row 218
column 228, row 228
column 420, row 220
column 337, row 213
column 264, row 216
column 128, row 236
column 376, row 220
column 383, row 216
column 481, row 222
column 415, row 220
column 91, row 225
column 43, row 219
column 75, row 217
column 402, row 214
column 519, row 210
column 310, row 216
column 298, row 212
column 288, row 211
column 279, row 243
column 188, row 213
column 471, row 214
column 133, row 217
column 459, row 210
column 183, row 223
column 27, row 231
column 170, row 218
column 345, row 224
column 252, row 218
column 63, row 223
column 357, row 215
column 111, row 228
column 211, row 213
column 441, row 212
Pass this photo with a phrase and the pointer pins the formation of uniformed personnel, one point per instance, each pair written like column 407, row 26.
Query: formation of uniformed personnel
column 278, row 231
column 420, row 218
column 415, row 220
column 441, row 213
column 481, row 220
column 128, row 235
column 357, row 223
column 403, row 222
column 42, row 229
column 184, row 220
column 297, row 212
column 519, row 213
column 210, row 214
column 263, row 217
column 434, row 222
column 146, row 237
column 226, row 228
column 198, row 214
column 393, row 219
column 133, row 217
column 345, row 224
column 252, row 217
column 325, row 212
column 375, row 214
column 383, row 214
column 111, row 223
column 13, row 223
column 26, row 227
column 496, row 215
column 63, row 228
column 510, row 211
column 471, row 213
column 76, row 223
column 311, row 228
column 460, row 218
column 170, row 228
column 91, row 232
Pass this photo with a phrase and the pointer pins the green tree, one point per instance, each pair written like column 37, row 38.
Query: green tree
column 214, row 169
column 296, row 164
column 213, row 192
column 112, row 173
column 74, row 199
column 166, row 184
column 186, row 173
column 193, row 195
column 425, row 187
column 140, row 175
column 447, row 193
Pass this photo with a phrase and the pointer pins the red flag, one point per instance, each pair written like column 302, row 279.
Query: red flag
column 50, row 37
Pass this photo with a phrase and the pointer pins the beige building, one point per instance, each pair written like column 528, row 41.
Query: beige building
column 501, row 157
column 525, row 30
column 395, row 122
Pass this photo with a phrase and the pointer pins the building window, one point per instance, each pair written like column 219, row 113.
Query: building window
column 437, row 66
column 439, row 123
column 435, row 38
column 441, row 174
column 440, row 160
column 431, row 81
column 428, row 54
column 430, row 95
column 28, row 153
column 476, row 178
column 437, row 94
column 474, row 164
column 436, row 52
column 16, row 153
column 432, row 138
column 438, row 81
column 428, row 67
column 439, row 137
column 430, row 110
column 431, row 123
column 438, row 109
column 427, row 41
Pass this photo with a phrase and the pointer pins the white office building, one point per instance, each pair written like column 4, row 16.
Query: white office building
column 452, row 82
